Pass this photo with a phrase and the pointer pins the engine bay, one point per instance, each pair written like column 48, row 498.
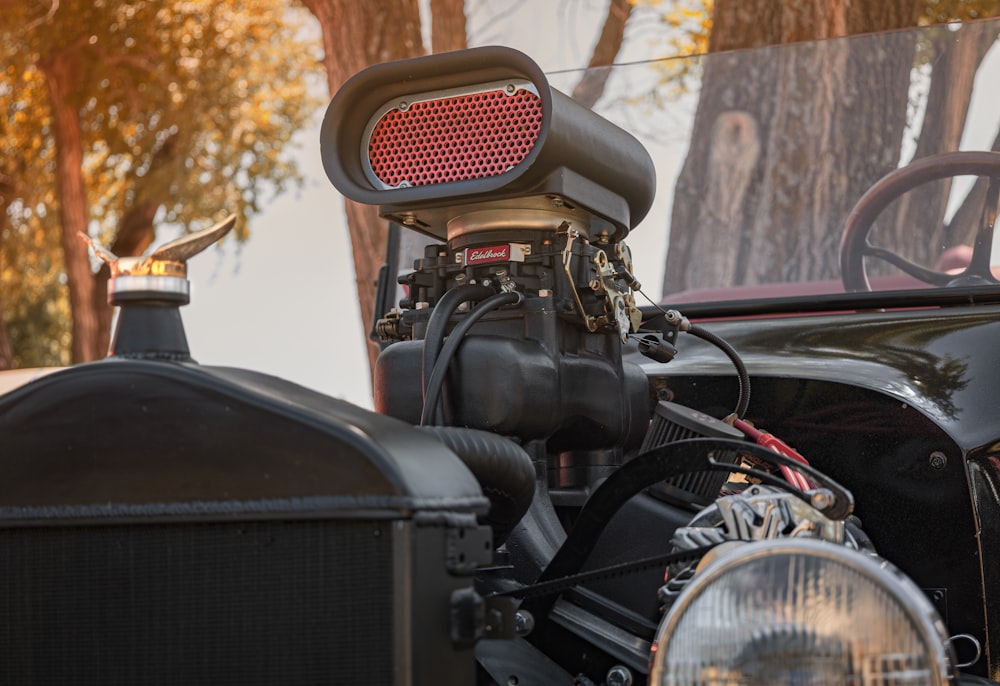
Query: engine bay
column 559, row 484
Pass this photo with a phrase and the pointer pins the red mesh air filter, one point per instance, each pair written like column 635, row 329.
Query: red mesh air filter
column 468, row 136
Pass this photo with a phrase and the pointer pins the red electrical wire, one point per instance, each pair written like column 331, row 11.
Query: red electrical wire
column 774, row 443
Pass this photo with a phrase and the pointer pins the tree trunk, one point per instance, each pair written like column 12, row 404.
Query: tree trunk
column 739, row 24
column 135, row 235
column 60, row 71
column 135, row 232
column 448, row 26
column 785, row 113
column 357, row 35
column 6, row 351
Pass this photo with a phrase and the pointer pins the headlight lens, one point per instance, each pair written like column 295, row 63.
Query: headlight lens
column 801, row 611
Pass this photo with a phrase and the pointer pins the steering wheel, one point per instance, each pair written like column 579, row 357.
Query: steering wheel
column 854, row 244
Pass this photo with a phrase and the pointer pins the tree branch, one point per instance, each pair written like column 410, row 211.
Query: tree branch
column 53, row 8
column 591, row 87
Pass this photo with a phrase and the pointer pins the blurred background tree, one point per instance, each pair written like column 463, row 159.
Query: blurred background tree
column 125, row 112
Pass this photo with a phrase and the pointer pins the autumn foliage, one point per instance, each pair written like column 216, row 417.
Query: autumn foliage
column 125, row 115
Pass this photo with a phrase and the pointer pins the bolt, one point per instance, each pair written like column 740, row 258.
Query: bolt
column 938, row 460
column 403, row 105
column 558, row 202
column 821, row 499
column 524, row 622
column 511, row 88
column 409, row 220
column 619, row 676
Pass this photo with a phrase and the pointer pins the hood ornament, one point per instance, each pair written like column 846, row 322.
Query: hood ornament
column 149, row 290
column 163, row 271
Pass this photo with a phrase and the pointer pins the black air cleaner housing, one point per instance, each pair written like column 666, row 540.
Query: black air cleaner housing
column 436, row 138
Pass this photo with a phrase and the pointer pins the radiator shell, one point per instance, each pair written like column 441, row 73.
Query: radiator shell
column 170, row 523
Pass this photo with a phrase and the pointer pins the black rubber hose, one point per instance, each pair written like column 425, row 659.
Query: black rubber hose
column 437, row 325
column 435, row 382
column 743, row 402
column 504, row 471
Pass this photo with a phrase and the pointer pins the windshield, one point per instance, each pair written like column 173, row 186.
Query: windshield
column 761, row 155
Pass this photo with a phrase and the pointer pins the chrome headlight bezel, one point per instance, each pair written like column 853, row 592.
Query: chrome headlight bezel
column 824, row 615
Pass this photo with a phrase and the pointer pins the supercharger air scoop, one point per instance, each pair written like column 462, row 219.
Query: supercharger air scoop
column 150, row 290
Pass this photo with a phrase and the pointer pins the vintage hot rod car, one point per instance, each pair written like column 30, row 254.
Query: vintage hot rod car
column 561, row 485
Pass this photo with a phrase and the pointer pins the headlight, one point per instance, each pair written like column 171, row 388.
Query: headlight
column 800, row 611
